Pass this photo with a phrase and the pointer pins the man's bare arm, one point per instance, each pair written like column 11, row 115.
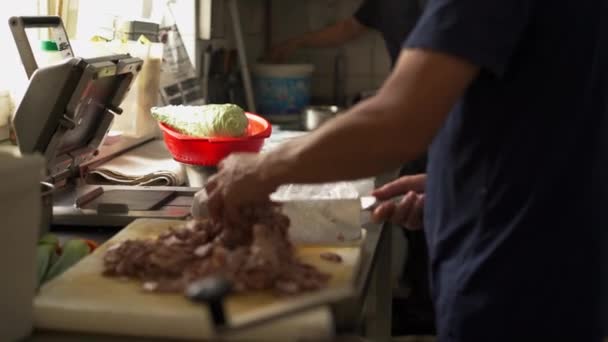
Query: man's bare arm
column 334, row 35
column 394, row 127
column 337, row 34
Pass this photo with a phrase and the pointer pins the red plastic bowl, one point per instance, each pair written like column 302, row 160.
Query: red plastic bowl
column 210, row 151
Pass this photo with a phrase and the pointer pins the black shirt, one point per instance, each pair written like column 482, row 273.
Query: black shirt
column 394, row 19
column 512, row 175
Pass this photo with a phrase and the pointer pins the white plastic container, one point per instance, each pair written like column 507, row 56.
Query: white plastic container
column 282, row 91
column 20, row 209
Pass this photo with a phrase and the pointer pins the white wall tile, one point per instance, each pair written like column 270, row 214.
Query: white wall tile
column 320, row 13
column 322, row 88
column 359, row 56
column 347, row 8
column 378, row 81
column 323, row 59
column 252, row 16
column 381, row 64
column 356, row 84
column 220, row 20
column 254, row 46
column 289, row 19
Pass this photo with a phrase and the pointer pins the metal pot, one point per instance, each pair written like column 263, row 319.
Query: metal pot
column 197, row 175
column 46, row 214
column 315, row 116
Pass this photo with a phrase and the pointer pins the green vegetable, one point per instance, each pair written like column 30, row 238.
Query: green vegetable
column 46, row 256
column 73, row 251
column 214, row 120
column 49, row 239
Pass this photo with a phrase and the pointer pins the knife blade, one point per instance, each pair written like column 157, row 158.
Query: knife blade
column 370, row 203
column 315, row 221
column 329, row 220
column 324, row 220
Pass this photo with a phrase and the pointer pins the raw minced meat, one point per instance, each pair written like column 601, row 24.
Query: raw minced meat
column 253, row 256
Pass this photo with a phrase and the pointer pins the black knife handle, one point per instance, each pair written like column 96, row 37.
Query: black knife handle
column 211, row 291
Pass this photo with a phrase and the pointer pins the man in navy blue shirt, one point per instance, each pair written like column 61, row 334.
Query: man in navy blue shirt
column 511, row 97
column 393, row 19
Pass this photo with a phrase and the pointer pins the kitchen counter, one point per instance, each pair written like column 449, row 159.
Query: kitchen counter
column 373, row 319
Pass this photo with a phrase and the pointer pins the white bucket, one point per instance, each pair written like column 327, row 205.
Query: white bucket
column 282, row 91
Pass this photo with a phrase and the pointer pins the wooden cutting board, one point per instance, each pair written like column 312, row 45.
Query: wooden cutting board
column 81, row 299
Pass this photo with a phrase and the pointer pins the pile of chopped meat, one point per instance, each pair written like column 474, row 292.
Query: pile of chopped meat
column 253, row 255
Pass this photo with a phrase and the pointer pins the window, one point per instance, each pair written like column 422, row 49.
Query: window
column 98, row 17
column 12, row 74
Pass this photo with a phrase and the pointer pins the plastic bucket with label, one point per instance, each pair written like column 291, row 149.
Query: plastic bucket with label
column 282, row 91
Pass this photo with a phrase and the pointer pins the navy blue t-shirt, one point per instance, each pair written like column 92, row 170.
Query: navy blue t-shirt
column 394, row 19
column 510, row 215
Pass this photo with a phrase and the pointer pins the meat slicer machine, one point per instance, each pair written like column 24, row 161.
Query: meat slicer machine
column 65, row 115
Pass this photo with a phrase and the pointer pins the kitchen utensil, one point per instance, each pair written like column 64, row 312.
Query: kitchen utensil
column 315, row 221
column 369, row 203
column 315, row 116
column 323, row 221
column 210, row 151
column 211, row 291
column 82, row 299
column 336, row 221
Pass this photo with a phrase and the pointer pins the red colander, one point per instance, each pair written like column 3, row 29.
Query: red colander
column 210, row 151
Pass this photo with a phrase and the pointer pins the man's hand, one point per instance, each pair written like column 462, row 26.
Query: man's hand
column 330, row 36
column 237, row 183
column 408, row 211
column 282, row 52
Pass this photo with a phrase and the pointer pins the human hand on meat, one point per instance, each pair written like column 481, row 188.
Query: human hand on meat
column 237, row 183
column 408, row 211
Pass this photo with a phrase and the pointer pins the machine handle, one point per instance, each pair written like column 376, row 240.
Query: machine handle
column 58, row 34
column 41, row 21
